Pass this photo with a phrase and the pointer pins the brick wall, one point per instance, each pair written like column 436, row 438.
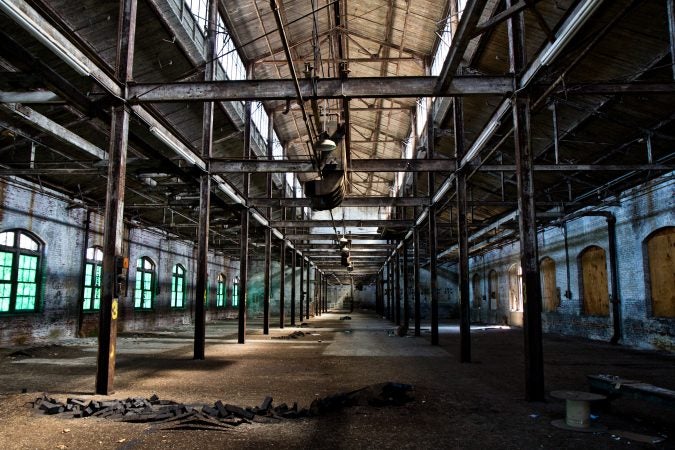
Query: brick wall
column 642, row 211
column 62, row 231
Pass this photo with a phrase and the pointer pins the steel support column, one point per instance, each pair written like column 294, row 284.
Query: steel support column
column 302, row 286
column 670, row 5
column 243, row 255
column 307, row 299
column 417, row 284
column 397, row 287
column 114, row 206
column 282, row 283
column 202, row 283
column 433, row 271
column 390, row 291
column 293, row 292
column 406, row 287
column 462, row 237
column 531, row 284
column 316, row 293
column 267, row 276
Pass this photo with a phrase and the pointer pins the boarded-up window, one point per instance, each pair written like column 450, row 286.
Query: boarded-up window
column 475, row 284
column 661, row 261
column 548, row 287
column 515, row 288
column 493, row 289
column 594, row 281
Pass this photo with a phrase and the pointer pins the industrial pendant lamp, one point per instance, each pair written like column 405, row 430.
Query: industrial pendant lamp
column 325, row 144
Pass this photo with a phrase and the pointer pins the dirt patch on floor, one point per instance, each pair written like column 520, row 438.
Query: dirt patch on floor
column 455, row 405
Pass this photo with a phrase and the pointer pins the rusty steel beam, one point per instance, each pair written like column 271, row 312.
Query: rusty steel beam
column 202, row 283
column 462, row 237
column 357, row 165
column 399, row 223
column 527, row 224
column 634, row 88
column 331, row 236
column 271, row 89
column 347, row 202
column 113, row 222
column 353, row 247
column 460, row 40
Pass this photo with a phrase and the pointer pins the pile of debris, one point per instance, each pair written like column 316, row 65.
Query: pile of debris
column 170, row 415
column 293, row 335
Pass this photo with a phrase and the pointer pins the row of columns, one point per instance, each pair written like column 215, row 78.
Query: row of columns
column 388, row 294
column 113, row 223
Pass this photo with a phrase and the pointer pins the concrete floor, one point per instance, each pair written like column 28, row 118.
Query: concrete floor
column 456, row 405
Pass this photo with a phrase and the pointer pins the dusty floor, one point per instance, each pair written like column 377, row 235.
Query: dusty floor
column 477, row 405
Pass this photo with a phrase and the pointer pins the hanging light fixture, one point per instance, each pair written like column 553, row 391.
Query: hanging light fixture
column 325, row 144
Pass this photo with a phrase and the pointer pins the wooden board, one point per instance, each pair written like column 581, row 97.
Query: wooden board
column 594, row 278
column 661, row 253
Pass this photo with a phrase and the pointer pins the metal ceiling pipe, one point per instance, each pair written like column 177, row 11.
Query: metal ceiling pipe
column 291, row 68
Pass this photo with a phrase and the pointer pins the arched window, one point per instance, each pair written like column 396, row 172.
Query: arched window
column 92, row 279
column 220, row 291
column 20, row 262
column 475, row 285
column 594, row 281
column 493, row 289
column 549, row 289
column 660, row 247
column 515, row 288
column 178, row 287
column 235, row 292
column 144, row 294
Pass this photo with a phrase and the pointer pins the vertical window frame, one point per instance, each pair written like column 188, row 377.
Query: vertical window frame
column 141, row 274
column 90, row 277
column 178, row 276
column 17, row 252
column 235, row 292
column 221, row 292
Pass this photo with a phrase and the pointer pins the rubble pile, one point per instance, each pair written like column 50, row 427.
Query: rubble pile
column 171, row 415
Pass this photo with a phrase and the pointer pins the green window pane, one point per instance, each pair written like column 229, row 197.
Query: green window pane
column 97, row 298
column 147, row 283
column 5, row 292
column 139, row 280
column 88, row 270
column 25, row 299
column 87, row 298
column 97, row 279
column 6, row 259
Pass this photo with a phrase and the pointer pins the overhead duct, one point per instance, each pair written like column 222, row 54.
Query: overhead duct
column 328, row 192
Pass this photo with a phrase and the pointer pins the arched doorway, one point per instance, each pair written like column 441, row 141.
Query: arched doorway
column 550, row 298
column 493, row 289
column 594, row 292
column 476, row 298
column 660, row 247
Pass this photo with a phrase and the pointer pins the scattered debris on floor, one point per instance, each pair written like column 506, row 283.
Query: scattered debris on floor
column 637, row 437
column 20, row 354
column 170, row 415
column 345, row 318
column 293, row 335
column 383, row 394
column 399, row 331
column 304, row 325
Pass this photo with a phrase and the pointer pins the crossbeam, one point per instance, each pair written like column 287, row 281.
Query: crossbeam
column 332, row 237
column 357, row 165
column 347, row 202
column 397, row 223
column 270, row 89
